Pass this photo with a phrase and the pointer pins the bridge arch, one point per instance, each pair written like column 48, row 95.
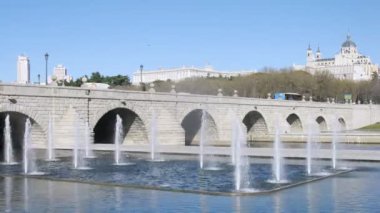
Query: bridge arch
column 255, row 123
column 295, row 124
column 17, row 118
column 134, row 130
column 321, row 121
column 342, row 123
column 192, row 124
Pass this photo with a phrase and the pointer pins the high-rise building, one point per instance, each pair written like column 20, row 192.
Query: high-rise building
column 23, row 70
column 60, row 72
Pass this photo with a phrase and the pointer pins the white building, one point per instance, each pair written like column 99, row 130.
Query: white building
column 23, row 70
column 347, row 64
column 59, row 74
column 181, row 73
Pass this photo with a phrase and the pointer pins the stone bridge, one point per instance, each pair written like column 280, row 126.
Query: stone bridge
column 176, row 117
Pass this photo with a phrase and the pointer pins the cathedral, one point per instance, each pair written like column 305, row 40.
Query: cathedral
column 347, row 64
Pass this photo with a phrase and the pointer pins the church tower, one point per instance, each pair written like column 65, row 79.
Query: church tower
column 309, row 55
column 318, row 54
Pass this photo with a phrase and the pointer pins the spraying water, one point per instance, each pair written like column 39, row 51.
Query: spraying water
column 234, row 135
column 8, row 150
column 277, row 155
column 87, row 137
column 241, row 160
column 78, row 158
column 118, row 139
column 26, row 145
column 153, row 137
column 334, row 152
column 30, row 166
column 336, row 129
column 202, row 138
column 51, row 153
column 309, row 148
column 76, row 149
column 312, row 145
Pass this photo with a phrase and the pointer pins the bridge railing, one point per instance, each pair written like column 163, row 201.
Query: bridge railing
column 78, row 92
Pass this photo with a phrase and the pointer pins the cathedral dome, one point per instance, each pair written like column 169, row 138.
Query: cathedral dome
column 348, row 42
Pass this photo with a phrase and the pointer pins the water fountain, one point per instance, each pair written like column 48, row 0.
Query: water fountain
column 312, row 148
column 119, row 133
column 154, row 155
column 118, row 138
column 87, row 137
column 8, row 149
column 177, row 173
column 277, row 165
column 335, row 130
column 30, row 166
column 309, row 147
column 234, row 138
column 202, row 138
column 241, row 173
column 51, row 153
column 78, row 155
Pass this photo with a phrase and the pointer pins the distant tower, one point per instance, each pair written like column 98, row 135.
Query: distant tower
column 60, row 72
column 23, row 70
column 318, row 54
column 310, row 55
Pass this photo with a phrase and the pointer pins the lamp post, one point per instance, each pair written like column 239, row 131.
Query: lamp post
column 39, row 82
column 141, row 69
column 46, row 67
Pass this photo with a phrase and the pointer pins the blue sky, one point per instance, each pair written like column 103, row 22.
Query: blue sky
column 115, row 37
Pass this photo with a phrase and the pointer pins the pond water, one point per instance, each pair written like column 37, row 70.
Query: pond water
column 356, row 191
column 179, row 173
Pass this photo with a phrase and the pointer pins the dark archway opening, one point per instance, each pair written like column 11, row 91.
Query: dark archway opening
column 321, row 123
column 17, row 127
column 342, row 124
column 295, row 123
column 256, row 126
column 255, row 123
column 105, row 128
column 192, row 124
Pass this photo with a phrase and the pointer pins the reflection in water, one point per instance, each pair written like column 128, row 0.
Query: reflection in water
column 310, row 198
column 334, row 193
column 153, row 199
column 203, row 203
column 357, row 191
column 118, row 198
column 237, row 204
column 8, row 193
column 277, row 202
column 26, row 195
column 50, row 194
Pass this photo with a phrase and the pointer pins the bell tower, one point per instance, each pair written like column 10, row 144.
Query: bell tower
column 309, row 55
column 318, row 54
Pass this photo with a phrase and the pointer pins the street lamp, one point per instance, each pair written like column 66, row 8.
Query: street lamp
column 46, row 60
column 141, row 69
column 39, row 82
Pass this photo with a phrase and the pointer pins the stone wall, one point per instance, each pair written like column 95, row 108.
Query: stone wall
column 71, row 108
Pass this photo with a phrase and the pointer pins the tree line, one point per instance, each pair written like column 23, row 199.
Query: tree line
column 96, row 77
column 320, row 86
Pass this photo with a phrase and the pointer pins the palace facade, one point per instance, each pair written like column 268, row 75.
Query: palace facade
column 347, row 64
column 181, row 73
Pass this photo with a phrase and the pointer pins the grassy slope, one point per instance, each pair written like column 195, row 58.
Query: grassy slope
column 375, row 126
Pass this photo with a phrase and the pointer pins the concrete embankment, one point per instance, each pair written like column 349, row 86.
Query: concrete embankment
column 364, row 155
